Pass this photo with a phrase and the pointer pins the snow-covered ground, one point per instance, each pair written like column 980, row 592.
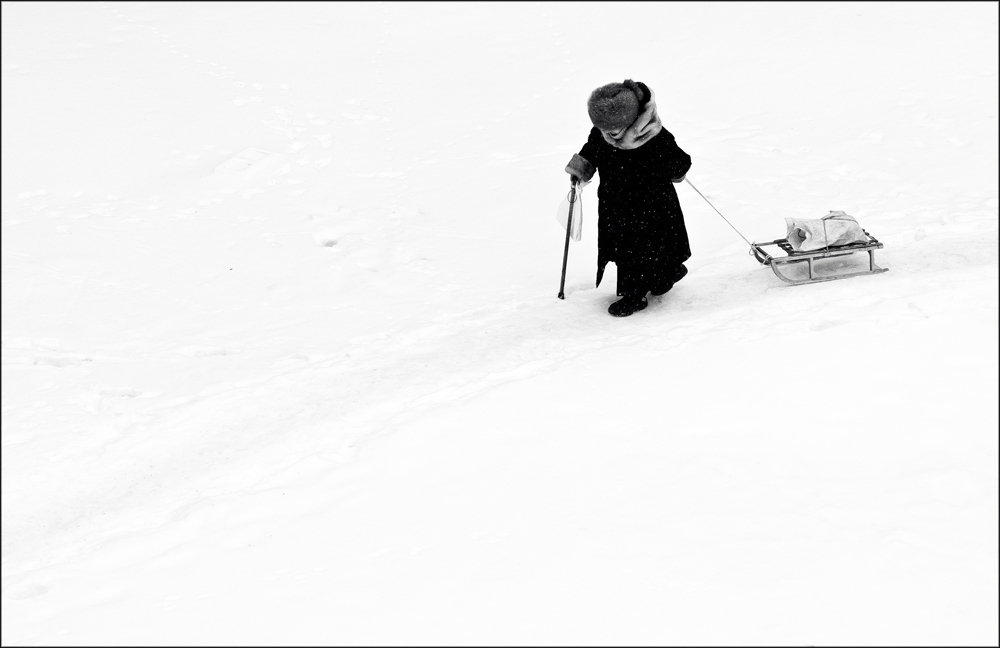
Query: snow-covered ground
column 327, row 395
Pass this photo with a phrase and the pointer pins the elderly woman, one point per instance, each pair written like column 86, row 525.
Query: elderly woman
column 640, row 225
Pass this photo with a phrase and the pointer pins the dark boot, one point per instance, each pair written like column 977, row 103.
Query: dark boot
column 627, row 305
column 667, row 284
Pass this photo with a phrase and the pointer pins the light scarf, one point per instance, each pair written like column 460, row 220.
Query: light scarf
column 646, row 126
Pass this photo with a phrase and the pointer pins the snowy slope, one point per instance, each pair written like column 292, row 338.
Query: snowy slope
column 324, row 393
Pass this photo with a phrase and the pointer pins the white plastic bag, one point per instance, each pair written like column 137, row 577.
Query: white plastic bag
column 836, row 228
column 562, row 214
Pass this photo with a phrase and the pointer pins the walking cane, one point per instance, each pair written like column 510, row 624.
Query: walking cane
column 569, row 228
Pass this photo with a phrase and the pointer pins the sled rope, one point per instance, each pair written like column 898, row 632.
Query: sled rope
column 717, row 211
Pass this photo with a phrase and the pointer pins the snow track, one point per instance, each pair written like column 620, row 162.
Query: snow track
column 321, row 411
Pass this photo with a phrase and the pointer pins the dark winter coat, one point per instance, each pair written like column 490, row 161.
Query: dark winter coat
column 640, row 224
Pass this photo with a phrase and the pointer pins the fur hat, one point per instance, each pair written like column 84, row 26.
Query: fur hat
column 614, row 106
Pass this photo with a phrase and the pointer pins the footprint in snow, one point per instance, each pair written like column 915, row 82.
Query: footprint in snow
column 295, row 358
column 119, row 393
column 196, row 351
column 27, row 591
column 253, row 193
column 63, row 361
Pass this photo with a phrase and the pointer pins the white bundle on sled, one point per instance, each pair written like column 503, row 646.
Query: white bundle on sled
column 836, row 228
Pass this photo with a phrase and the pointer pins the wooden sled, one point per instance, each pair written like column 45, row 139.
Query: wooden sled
column 791, row 256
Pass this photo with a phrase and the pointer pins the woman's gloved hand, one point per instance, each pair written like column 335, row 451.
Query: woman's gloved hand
column 580, row 169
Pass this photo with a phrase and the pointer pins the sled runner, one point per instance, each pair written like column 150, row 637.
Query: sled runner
column 793, row 256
